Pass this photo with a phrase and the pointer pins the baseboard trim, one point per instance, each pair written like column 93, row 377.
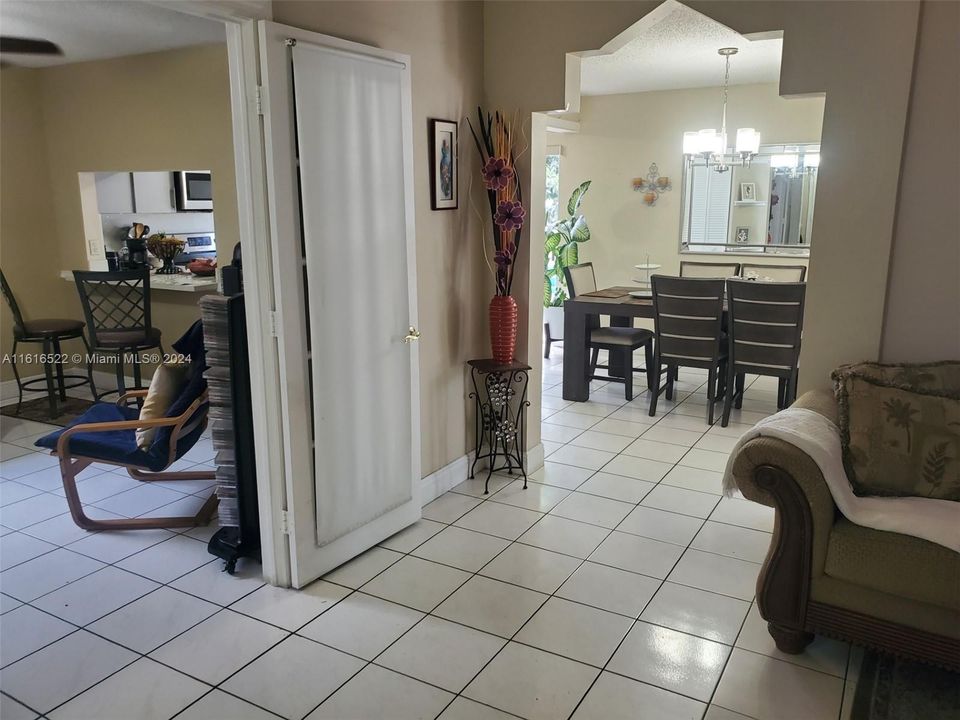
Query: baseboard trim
column 534, row 458
column 449, row 476
column 446, row 478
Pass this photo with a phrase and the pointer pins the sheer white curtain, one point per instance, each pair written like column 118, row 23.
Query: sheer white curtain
column 349, row 116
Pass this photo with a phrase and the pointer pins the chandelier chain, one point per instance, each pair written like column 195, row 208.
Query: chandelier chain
column 726, row 84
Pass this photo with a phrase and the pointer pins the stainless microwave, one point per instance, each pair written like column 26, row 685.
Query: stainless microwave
column 194, row 190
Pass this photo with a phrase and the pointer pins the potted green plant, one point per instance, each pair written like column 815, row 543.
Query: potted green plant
column 561, row 249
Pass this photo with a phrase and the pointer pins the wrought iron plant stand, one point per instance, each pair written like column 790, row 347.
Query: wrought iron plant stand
column 500, row 392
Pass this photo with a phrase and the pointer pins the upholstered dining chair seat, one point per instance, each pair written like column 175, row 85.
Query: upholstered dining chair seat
column 128, row 338
column 623, row 336
column 49, row 327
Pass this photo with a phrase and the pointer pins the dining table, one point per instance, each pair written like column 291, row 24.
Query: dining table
column 622, row 308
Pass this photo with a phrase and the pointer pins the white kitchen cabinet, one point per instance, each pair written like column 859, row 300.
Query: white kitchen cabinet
column 114, row 192
column 153, row 192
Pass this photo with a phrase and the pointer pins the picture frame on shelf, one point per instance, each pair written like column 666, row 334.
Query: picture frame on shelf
column 748, row 191
column 742, row 235
column 444, row 165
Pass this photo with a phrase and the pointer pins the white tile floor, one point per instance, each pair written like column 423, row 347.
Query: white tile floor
column 618, row 585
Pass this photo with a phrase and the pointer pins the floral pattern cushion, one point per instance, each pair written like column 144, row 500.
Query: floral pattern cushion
column 943, row 375
column 900, row 428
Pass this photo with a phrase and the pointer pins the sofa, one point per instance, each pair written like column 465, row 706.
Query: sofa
column 823, row 575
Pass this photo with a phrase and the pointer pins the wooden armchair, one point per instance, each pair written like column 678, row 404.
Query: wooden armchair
column 93, row 439
column 106, row 433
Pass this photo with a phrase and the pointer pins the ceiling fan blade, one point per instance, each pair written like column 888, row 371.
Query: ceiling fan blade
column 28, row 46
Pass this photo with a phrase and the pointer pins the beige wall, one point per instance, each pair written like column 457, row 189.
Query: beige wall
column 29, row 243
column 444, row 40
column 922, row 319
column 859, row 54
column 157, row 111
column 620, row 135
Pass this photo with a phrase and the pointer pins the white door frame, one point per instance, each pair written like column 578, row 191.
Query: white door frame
column 239, row 20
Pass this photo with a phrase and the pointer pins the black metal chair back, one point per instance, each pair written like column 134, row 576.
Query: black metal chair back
column 775, row 273
column 114, row 302
column 766, row 319
column 12, row 304
column 708, row 269
column 687, row 317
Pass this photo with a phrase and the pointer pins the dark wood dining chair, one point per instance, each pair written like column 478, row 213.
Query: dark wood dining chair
column 624, row 340
column 688, row 323
column 774, row 273
column 689, row 269
column 764, row 325
column 117, row 310
column 49, row 333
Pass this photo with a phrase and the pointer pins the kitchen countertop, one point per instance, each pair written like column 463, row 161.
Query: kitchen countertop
column 182, row 282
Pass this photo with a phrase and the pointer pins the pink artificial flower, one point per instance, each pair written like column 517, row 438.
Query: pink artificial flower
column 497, row 173
column 509, row 215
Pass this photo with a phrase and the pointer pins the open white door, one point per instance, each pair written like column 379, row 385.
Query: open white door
column 339, row 151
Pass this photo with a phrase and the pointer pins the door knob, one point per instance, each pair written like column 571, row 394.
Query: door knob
column 412, row 335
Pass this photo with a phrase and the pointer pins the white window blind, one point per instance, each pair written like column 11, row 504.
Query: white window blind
column 709, row 218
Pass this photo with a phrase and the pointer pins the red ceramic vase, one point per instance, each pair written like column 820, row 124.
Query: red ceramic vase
column 503, row 328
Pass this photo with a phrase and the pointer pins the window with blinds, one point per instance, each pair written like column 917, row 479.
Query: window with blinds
column 709, row 207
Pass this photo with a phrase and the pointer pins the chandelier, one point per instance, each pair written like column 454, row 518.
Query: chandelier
column 711, row 146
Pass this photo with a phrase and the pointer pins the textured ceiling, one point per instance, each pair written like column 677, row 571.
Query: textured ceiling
column 677, row 48
column 97, row 29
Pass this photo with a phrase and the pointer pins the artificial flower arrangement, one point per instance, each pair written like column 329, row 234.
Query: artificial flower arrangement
column 495, row 143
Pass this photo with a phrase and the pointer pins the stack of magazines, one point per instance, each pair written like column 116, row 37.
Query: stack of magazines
column 213, row 308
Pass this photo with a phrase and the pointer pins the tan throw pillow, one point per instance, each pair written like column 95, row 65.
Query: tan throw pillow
column 166, row 385
column 944, row 375
column 898, row 439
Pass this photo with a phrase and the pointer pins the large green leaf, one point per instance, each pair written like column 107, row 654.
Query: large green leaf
column 553, row 241
column 580, row 233
column 570, row 256
column 547, row 291
column 576, row 197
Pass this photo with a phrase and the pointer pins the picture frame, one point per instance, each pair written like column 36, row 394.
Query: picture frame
column 444, row 165
column 748, row 191
column 742, row 234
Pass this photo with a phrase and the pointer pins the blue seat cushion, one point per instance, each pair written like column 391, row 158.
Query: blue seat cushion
column 118, row 446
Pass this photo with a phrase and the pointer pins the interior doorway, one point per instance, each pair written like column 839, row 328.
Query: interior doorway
column 655, row 201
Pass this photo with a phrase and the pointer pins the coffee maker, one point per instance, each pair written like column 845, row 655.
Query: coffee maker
column 136, row 255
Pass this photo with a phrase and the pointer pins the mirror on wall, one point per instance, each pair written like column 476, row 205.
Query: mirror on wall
column 765, row 207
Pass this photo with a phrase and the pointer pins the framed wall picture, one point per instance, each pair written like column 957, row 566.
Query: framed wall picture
column 743, row 234
column 444, row 165
column 748, row 191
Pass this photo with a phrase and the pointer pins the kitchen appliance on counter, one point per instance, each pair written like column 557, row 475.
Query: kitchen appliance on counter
column 193, row 190
column 133, row 254
column 197, row 245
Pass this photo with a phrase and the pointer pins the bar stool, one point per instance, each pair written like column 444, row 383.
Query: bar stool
column 117, row 308
column 48, row 332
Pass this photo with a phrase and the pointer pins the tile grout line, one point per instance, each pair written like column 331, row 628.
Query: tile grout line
column 551, row 595
column 408, row 553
